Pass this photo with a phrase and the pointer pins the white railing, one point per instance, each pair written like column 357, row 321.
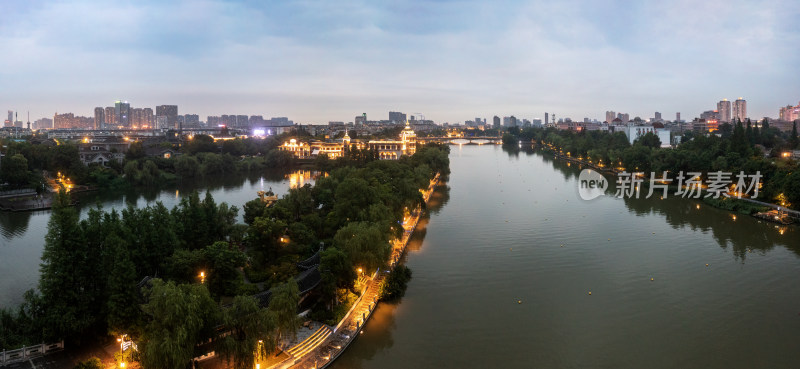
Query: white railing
column 28, row 352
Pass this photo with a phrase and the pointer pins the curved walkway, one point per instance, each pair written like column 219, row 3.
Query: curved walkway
column 316, row 352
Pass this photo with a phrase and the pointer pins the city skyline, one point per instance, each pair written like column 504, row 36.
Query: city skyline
column 317, row 62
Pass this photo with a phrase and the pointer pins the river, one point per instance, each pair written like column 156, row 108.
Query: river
column 493, row 287
column 22, row 234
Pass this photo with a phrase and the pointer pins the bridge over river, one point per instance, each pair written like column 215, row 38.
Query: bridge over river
column 462, row 140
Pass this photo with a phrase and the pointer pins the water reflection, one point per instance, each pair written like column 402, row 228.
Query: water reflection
column 23, row 233
column 13, row 224
column 742, row 233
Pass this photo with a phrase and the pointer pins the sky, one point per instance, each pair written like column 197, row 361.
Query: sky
column 451, row 61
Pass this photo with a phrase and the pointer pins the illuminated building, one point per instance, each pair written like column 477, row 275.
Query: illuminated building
column 122, row 110
column 740, row 109
column 724, row 109
column 790, row 113
column 385, row 149
column 170, row 112
column 99, row 117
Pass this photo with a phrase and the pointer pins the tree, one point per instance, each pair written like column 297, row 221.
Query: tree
column 179, row 317
column 62, row 280
column 283, row 305
column 15, row 170
column 394, row 286
column 123, row 293
column 250, row 331
column 649, row 139
column 364, row 243
column 793, row 140
column 135, row 151
column 337, row 272
column 224, row 262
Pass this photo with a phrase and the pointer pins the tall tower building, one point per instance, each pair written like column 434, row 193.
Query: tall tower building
column 546, row 118
column 171, row 114
column 658, row 117
column 724, row 109
column 122, row 110
column 678, row 116
column 740, row 109
column 109, row 116
column 99, row 117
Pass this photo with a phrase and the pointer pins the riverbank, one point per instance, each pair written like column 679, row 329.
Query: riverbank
column 746, row 206
column 322, row 353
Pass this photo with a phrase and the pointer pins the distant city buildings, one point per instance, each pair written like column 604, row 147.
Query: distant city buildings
column 397, row 117
column 496, row 121
column 171, row 114
column 740, row 109
column 99, row 117
column 789, row 113
column 724, row 109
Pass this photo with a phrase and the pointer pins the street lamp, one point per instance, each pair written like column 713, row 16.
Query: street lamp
column 202, row 277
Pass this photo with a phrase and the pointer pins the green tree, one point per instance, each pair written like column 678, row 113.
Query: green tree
column 123, row 293
column 337, row 272
column 179, row 317
column 135, row 151
column 793, row 140
column 364, row 244
column 224, row 261
column 394, row 286
column 250, row 331
column 650, row 140
column 15, row 170
column 283, row 305
column 63, row 272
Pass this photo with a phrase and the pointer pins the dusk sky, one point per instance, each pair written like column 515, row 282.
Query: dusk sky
column 315, row 61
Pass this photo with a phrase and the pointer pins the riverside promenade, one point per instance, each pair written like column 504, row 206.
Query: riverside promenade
column 327, row 343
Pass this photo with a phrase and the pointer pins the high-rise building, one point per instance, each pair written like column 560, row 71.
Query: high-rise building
column 148, row 119
column 496, row 121
column 546, row 118
column 678, row 116
column 658, row 117
column 397, row 117
column 724, row 109
column 740, row 109
column 241, row 120
column 171, row 114
column 510, row 121
column 191, row 120
column 610, row 116
column 110, row 117
column 10, row 116
column 99, row 117
column 122, row 110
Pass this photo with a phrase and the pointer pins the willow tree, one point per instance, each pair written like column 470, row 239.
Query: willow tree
column 180, row 317
column 284, row 305
column 249, row 333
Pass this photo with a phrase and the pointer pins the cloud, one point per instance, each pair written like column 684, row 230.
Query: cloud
column 318, row 60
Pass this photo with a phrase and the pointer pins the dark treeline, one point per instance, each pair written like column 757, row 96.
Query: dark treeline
column 739, row 147
column 200, row 156
column 137, row 271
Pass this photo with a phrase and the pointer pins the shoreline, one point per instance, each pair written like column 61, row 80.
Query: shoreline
column 352, row 324
column 794, row 214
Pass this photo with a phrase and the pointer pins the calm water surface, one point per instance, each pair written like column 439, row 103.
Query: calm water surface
column 22, row 234
column 494, row 239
